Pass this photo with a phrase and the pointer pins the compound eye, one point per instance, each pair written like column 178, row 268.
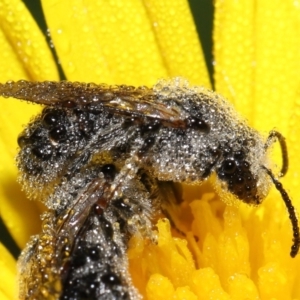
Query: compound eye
column 229, row 166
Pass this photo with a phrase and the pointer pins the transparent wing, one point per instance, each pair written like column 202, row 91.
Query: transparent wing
column 120, row 99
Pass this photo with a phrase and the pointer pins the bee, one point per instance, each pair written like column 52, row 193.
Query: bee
column 98, row 156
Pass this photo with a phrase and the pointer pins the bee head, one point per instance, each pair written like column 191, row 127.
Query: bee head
column 235, row 171
column 251, row 184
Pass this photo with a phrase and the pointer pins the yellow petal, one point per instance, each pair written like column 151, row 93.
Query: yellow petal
column 178, row 40
column 277, row 60
column 10, row 66
column 4, row 297
column 26, row 44
column 234, row 51
column 125, row 43
column 104, row 41
column 8, row 271
column 257, row 59
column 293, row 180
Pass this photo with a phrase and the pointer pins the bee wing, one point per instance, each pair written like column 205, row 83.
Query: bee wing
column 56, row 230
column 83, row 247
column 120, row 99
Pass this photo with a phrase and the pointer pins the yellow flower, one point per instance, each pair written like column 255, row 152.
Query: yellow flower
column 229, row 252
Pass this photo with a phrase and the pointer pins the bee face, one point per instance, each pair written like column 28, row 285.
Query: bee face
column 235, row 171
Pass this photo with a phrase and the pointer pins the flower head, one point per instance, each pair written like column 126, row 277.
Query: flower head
column 228, row 252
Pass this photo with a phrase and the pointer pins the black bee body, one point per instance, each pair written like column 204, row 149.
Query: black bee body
column 96, row 156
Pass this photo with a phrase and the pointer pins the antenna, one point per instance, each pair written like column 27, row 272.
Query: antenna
column 291, row 211
column 280, row 138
